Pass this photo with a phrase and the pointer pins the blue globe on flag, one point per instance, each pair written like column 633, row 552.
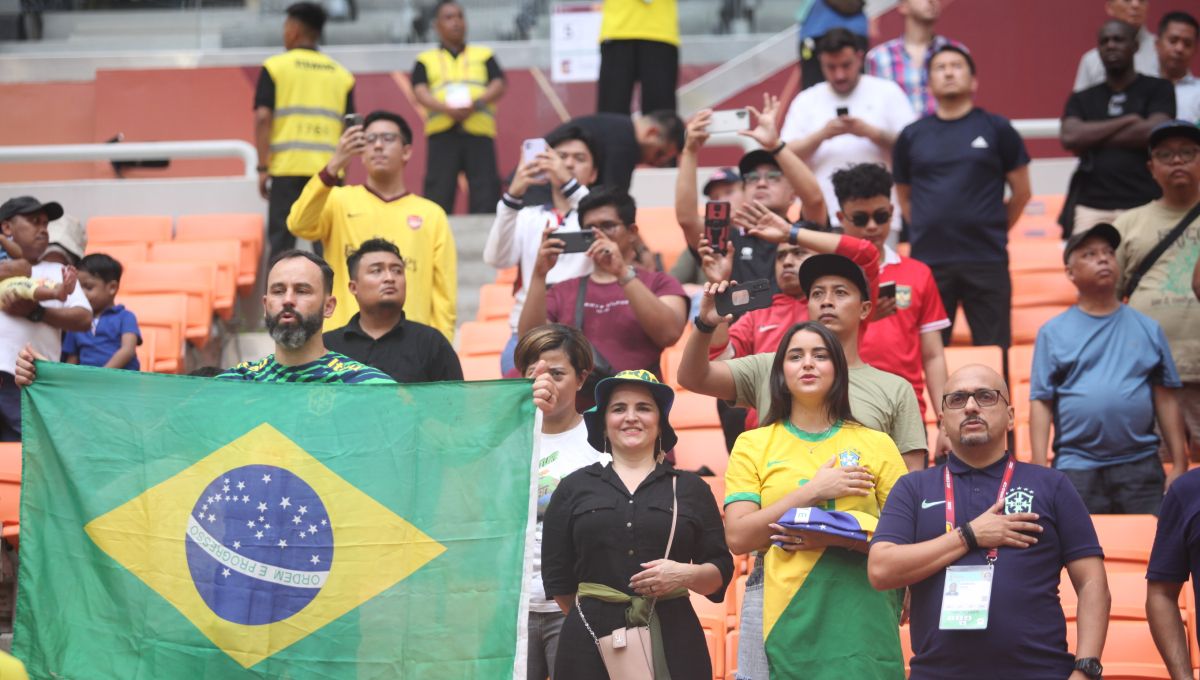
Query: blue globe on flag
column 259, row 545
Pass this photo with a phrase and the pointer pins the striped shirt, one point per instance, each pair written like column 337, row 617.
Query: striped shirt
column 330, row 368
column 891, row 61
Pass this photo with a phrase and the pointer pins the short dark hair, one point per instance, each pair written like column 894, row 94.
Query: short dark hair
column 864, row 180
column 380, row 114
column 326, row 270
column 371, row 245
column 1178, row 17
column 837, row 400
column 104, row 267
column 603, row 196
column 310, row 14
column 837, row 39
column 957, row 50
column 549, row 337
column 670, row 125
column 567, row 133
column 442, row 3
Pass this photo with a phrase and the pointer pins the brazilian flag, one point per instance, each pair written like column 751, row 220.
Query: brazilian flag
column 190, row 528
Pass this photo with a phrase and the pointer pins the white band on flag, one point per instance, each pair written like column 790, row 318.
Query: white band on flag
column 252, row 568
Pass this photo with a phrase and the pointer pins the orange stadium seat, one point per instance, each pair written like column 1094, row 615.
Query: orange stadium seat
column 1128, row 591
column 10, row 490
column 145, row 351
column 481, row 367
column 125, row 253
column 1129, row 652
column 495, row 301
column 508, row 275
column 712, row 620
column 692, row 410
column 223, row 255
column 483, row 337
column 193, row 279
column 1027, row 320
column 163, row 321
column 129, row 229
column 1042, row 288
column 1126, row 540
column 1040, row 218
column 1020, row 363
column 661, row 233
column 961, row 335
column 1035, row 255
column 716, row 484
column 737, row 593
column 906, row 646
column 702, row 447
column 731, row 647
column 991, row 356
column 247, row 228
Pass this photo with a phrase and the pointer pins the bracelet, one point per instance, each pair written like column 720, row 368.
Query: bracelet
column 969, row 535
column 794, row 235
column 703, row 327
column 962, row 537
column 781, row 147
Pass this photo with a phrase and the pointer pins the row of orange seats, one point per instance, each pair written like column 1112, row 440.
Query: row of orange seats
column 178, row 274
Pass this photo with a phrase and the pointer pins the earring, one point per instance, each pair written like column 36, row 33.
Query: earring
column 606, row 445
column 659, row 454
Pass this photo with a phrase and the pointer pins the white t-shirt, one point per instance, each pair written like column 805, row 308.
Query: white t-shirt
column 16, row 331
column 1187, row 99
column 562, row 454
column 876, row 101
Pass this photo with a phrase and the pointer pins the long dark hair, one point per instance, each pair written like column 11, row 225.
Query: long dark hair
column 837, row 400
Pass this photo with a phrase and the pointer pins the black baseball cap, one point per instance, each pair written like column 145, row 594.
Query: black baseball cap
column 27, row 205
column 1104, row 230
column 1174, row 128
column 724, row 175
column 752, row 160
column 829, row 264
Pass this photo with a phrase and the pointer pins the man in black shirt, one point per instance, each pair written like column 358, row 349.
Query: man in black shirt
column 379, row 335
column 653, row 139
column 1108, row 126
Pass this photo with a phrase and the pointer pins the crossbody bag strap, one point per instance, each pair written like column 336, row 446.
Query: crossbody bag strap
column 1152, row 257
column 674, row 516
column 579, row 296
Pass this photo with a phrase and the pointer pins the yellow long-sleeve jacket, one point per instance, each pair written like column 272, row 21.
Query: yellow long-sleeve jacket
column 341, row 218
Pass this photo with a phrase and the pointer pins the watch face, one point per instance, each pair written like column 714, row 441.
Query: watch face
column 1090, row 667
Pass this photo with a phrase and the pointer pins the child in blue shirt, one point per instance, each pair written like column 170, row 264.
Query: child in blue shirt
column 114, row 337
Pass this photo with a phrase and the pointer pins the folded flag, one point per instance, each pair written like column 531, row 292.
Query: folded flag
column 177, row 527
column 850, row 524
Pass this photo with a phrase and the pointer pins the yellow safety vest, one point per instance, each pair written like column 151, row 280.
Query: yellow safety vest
column 469, row 68
column 310, row 100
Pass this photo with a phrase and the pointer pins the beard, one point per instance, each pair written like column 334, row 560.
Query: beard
column 974, row 438
column 293, row 335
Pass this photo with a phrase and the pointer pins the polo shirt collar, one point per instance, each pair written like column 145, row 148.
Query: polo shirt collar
column 354, row 325
column 115, row 309
column 958, row 467
column 890, row 257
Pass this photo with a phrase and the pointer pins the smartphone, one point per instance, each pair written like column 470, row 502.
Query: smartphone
column 351, row 119
column 887, row 289
column 530, row 149
column 576, row 241
column 732, row 120
column 843, row 111
column 716, row 225
column 744, row 297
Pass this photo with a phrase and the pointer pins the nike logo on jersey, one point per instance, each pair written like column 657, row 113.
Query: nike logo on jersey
column 979, row 143
column 925, row 505
column 773, row 463
column 768, row 327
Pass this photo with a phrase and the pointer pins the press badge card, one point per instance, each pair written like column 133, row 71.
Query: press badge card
column 965, row 598
column 458, row 96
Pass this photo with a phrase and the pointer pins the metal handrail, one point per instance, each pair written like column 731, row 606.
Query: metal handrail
column 1028, row 128
column 133, row 151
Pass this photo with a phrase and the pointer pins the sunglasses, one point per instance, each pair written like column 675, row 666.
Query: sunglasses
column 985, row 398
column 861, row 219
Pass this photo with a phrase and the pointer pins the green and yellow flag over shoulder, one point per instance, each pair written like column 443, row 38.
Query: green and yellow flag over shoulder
column 177, row 527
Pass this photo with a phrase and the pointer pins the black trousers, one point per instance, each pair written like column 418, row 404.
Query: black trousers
column 985, row 291
column 455, row 151
column 1128, row 488
column 624, row 62
column 284, row 192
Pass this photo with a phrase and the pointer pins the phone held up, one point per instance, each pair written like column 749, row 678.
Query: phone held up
column 716, row 225
column 744, row 297
column 530, row 150
column 887, row 289
column 843, row 111
column 351, row 119
column 732, row 120
column 575, row 241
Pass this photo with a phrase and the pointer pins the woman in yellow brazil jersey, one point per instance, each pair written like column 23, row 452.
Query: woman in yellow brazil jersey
column 820, row 616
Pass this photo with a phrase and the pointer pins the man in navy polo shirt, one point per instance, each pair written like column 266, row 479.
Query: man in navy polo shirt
column 1175, row 557
column 1028, row 522
column 951, row 170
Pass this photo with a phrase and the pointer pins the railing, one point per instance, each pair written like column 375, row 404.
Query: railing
column 1029, row 128
column 135, row 151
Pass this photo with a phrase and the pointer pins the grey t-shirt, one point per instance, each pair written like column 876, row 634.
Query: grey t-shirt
column 879, row 400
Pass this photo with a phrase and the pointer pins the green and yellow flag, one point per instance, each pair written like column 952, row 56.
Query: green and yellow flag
column 176, row 527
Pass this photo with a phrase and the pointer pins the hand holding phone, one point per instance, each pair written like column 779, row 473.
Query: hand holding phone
column 730, row 121
column 530, row 150
column 352, row 119
column 744, row 297
column 887, row 289
column 716, row 225
column 575, row 241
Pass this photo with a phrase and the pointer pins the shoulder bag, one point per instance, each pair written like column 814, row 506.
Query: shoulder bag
column 1147, row 262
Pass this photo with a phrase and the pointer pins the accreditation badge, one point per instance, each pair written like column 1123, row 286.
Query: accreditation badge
column 966, row 597
column 458, row 96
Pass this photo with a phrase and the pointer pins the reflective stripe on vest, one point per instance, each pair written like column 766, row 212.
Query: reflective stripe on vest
column 310, row 100
column 468, row 68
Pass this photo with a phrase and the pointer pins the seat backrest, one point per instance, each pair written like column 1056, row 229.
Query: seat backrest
column 661, row 233
column 224, row 254
column 702, row 447
column 1035, row 255
column 1027, row 320
column 481, row 367
column 692, row 410
column 495, row 301
column 483, row 337
column 125, row 253
column 247, row 228
column 1125, row 537
column 129, row 228
column 1042, row 288
column 193, row 279
column 991, row 356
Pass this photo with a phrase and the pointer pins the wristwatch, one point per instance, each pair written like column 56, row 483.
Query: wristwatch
column 1090, row 666
column 37, row 314
column 629, row 275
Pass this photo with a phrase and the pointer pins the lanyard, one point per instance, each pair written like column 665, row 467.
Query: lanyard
column 463, row 67
column 948, row 482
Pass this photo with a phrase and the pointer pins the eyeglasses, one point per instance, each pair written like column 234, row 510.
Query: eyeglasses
column 385, row 137
column 984, row 398
column 1185, row 154
column 606, row 227
column 881, row 217
column 771, row 176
